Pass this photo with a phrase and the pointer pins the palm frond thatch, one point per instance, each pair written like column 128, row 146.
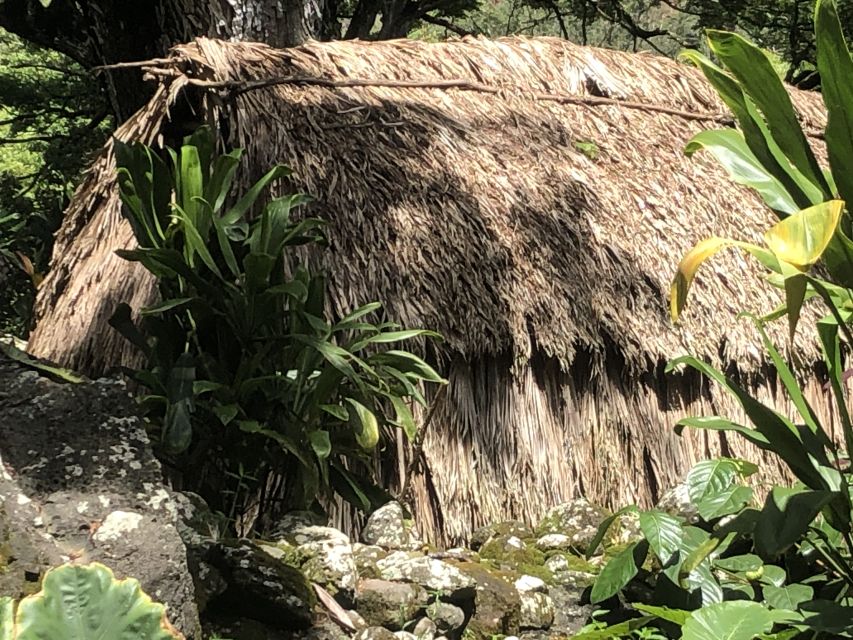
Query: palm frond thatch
column 528, row 198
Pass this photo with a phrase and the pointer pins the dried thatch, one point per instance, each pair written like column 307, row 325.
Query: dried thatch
column 461, row 194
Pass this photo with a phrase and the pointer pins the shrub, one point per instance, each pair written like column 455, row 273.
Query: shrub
column 255, row 392
column 783, row 569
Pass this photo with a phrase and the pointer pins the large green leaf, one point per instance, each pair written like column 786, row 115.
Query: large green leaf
column 88, row 603
column 367, row 427
column 756, row 133
column 790, row 597
column 177, row 426
column 787, row 514
column 734, row 620
column 604, row 527
column 7, row 620
column 731, row 151
column 755, row 72
column 619, row 630
column 801, row 239
column 65, row 375
column 663, row 533
column 617, row 573
column 836, row 72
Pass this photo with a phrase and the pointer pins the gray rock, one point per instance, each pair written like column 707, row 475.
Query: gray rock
column 431, row 574
column 425, row 629
column 569, row 614
column 389, row 604
column 262, row 588
column 530, row 584
column 405, row 635
column 577, row 519
column 366, row 556
column 374, row 633
column 329, row 563
column 357, row 621
column 537, row 610
column 446, row 617
column 497, row 605
column 676, row 501
column 554, row 542
column 509, row 528
column 387, row 527
column 78, row 480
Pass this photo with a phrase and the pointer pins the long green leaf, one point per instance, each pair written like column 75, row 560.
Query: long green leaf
column 617, row 573
column 836, row 83
column 731, row 151
column 756, row 134
column 753, row 69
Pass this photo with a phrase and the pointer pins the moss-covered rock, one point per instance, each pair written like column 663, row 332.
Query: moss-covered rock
column 497, row 604
column 577, row 519
column 389, row 604
column 509, row 528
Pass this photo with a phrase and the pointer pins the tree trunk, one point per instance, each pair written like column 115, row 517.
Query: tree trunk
column 103, row 32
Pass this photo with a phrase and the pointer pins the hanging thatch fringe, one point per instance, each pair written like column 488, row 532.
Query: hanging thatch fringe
column 528, row 198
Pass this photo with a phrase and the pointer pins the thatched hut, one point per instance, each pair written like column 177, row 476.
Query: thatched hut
column 528, row 198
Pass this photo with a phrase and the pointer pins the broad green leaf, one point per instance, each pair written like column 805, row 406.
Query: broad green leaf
column 731, row 151
column 367, row 431
column 393, row 336
column 753, row 69
column 836, row 71
column 790, row 597
column 756, row 133
column 617, row 573
column 618, row 630
column 724, row 503
column 676, row 616
column 663, row 533
column 321, row 443
column 226, row 413
column 6, row 618
column 733, row 620
column 336, row 411
column 746, row 563
column 87, row 603
column 710, row 477
column 827, row 616
column 786, row 516
column 801, row 238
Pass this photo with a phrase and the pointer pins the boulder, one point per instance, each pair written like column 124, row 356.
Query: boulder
column 446, row 617
column 366, row 556
column 375, row 633
column 425, row 629
column 509, row 528
column 431, row 574
column 78, row 480
column 537, row 610
column 497, row 605
column 569, row 615
column 389, row 604
column 676, row 502
column 577, row 519
column 388, row 527
column 260, row 587
column 554, row 542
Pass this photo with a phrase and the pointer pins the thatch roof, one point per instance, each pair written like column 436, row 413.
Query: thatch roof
column 463, row 195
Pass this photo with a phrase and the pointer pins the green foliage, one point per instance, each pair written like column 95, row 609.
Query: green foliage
column 52, row 117
column 781, row 568
column 85, row 603
column 248, row 378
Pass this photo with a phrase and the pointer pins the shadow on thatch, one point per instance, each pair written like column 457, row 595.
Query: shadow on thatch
column 528, row 198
